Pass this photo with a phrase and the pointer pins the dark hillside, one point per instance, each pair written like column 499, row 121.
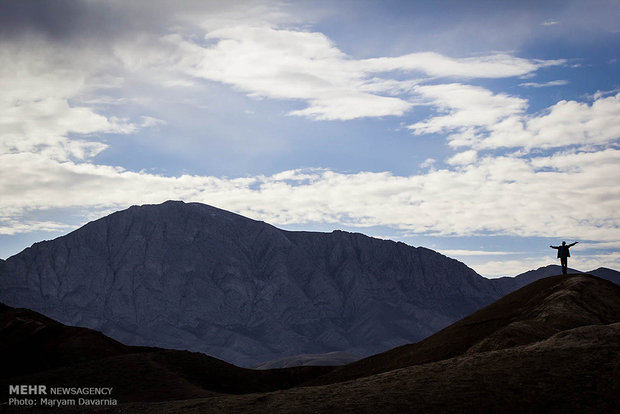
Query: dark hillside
column 532, row 313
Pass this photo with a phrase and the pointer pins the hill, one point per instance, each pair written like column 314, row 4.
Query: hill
column 533, row 313
column 35, row 349
column 552, row 346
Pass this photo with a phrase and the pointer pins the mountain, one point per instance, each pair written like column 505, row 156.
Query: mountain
column 552, row 346
column 194, row 277
column 191, row 276
column 605, row 273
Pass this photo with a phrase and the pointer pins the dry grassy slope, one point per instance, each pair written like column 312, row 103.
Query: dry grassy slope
column 532, row 313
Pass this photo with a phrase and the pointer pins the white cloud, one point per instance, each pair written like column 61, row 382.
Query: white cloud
column 592, row 262
column 41, row 85
column 475, row 252
column 466, row 107
column 479, row 119
column 502, row 195
column 149, row 121
column 12, row 226
column 434, row 64
column 513, row 267
column 544, row 84
column 265, row 61
column 563, row 124
column 463, row 158
column 428, row 163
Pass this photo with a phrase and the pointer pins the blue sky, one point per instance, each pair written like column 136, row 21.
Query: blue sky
column 485, row 130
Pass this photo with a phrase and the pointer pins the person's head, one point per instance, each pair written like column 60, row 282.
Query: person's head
column 563, row 243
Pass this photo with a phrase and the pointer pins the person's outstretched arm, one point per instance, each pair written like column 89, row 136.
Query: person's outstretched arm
column 572, row 244
column 555, row 247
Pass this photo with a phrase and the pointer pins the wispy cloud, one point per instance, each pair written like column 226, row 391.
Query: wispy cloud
column 13, row 226
column 512, row 267
column 475, row 117
column 465, row 107
column 467, row 201
column 476, row 253
column 544, row 84
column 286, row 64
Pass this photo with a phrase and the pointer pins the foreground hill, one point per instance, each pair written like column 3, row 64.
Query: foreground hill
column 553, row 346
column 35, row 349
column 191, row 276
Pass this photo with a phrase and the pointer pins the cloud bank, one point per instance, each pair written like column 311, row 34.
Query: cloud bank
column 553, row 172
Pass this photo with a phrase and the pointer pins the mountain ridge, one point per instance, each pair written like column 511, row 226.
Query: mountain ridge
column 191, row 276
column 208, row 280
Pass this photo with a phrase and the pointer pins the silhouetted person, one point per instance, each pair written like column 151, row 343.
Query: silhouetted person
column 564, row 254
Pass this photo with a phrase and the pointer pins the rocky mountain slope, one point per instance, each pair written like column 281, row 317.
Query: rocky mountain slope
column 191, row 276
column 194, row 277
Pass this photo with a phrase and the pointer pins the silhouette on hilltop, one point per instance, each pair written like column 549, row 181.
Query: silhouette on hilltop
column 564, row 254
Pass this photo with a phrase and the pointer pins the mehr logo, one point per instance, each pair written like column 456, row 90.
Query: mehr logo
column 27, row 390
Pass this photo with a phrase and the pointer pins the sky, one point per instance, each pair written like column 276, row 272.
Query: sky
column 485, row 130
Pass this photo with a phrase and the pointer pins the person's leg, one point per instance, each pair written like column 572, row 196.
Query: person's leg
column 564, row 262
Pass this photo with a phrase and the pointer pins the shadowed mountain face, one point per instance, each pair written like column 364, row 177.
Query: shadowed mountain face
column 194, row 277
column 190, row 276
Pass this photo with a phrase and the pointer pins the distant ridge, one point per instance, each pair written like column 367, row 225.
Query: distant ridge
column 509, row 284
column 330, row 359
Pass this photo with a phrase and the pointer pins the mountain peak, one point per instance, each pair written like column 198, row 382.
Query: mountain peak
column 192, row 276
